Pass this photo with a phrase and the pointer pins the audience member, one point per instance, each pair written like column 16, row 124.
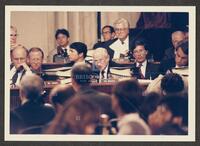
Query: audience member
column 170, row 117
column 108, row 34
column 60, row 94
column 19, row 65
column 176, row 38
column 81, row 78
column 142, row 69
column 149, row 104
column 171, row 83
column 32, row 110
column 126, row 101
column 80, row 116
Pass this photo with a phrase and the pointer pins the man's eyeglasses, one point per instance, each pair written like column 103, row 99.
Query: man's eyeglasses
column 120, row 29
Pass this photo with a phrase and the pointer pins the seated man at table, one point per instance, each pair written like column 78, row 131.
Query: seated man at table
column 19, row 65
column 35, row 58
column 142, row 69
column 123, row 44
column 78, row 52
column 108, row 33
column 60, row 54
column 176, row 37
column 180, row 63
column 101, row 65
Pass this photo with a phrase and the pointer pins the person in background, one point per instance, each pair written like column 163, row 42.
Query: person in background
column 32, row 111
column 179, row 63
column 19, row 66
column 78, row 52
column 81, row 75
column 60, row 94
column 126, row 101
column 123, row 42
column 168, row 84
column 60, row 54
column 170, row 117
column 176, row 38
column 101, row 63
column 35, row 59
column 108, row 34
column 142, row 69
column 13, row 37
column 79, row 116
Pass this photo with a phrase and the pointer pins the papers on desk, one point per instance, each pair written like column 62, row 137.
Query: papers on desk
column 65, row 81
column 144, row 81
column 120, row 71
column 64, row 73
column 57, row 69
column 184, row 71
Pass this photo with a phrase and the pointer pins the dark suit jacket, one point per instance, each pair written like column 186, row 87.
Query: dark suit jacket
column 34, row 114
column 152, row 71
column 167, row 65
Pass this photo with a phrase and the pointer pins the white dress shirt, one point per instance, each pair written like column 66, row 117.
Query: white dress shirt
column 12, row 73
column 119, row 47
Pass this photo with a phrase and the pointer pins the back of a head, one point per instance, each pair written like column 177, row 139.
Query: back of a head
column 172, row 83
column 78, row 114
column 81, row 73
column 60, row 94
column 178, row 105
column 31, row 87
column 129, row 95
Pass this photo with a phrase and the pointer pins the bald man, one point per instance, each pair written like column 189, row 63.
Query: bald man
column 19, row 65
column 176, row 38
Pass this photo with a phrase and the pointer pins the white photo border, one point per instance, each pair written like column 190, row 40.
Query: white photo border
column 191, row 79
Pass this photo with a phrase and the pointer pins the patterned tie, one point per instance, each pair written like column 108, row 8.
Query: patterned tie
column 15, row 76
column 102, row 74
column 140, row 71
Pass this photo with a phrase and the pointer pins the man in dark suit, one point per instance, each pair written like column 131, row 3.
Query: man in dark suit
column 180, row 61
column 123, row 43
column 108, row 33
column 19, row 65
column 142, row 69
column 176, row 37
column 32, row 111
